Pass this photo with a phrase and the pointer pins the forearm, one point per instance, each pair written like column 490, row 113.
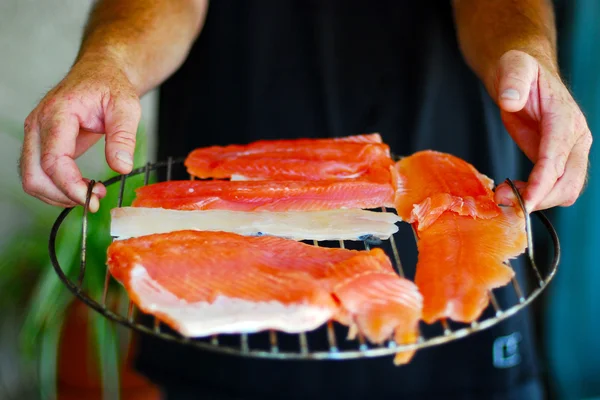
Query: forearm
column 489, row 28
column 147, row 39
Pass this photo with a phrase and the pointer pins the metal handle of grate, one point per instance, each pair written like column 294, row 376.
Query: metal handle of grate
column 357, row 348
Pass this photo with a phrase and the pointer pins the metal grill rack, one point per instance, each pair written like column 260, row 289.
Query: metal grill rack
column 323, row 343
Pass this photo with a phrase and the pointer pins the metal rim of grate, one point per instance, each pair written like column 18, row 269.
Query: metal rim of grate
column 332, row 351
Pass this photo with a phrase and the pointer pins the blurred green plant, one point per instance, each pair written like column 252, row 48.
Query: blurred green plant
column 28, row 277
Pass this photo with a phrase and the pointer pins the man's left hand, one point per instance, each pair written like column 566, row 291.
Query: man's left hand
column 546, row 123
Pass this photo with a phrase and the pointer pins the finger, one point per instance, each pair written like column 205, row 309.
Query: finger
column 58, row 138
column 570, row 185
column 556, row 143
column 34, row 180
column 517, row 71
column 48, row 193
column 524, row 131
column 99, row 188
column 505, row 196
column 122, row 117
column 52, row 202
column 85, row 140
column 37, row 184
column 44, row 189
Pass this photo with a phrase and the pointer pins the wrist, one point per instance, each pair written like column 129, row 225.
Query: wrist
column 108, row 60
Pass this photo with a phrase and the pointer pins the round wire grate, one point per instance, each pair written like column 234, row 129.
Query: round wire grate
column 327, row 345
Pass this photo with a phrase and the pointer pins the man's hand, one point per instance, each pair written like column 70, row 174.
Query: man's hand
column 544, row 120
column 128, row 48
column 95, row 98
column 511, row 46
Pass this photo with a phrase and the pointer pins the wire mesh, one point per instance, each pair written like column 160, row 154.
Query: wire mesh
column 356, row 346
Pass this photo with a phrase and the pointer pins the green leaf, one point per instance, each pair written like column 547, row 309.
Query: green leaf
column 48, row 361
column 51, row 297
column 107, row 348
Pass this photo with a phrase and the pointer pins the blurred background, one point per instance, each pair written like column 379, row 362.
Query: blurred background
column 38, row 42
column 48, row 342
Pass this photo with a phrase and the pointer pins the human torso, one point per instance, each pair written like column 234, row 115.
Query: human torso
column 307, row 68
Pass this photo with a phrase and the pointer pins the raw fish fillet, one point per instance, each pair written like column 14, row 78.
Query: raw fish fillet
column 431, row 182
column 354, row 224
column 203, row 283
column 266, row 195
column 461, row 259
column 295, row 159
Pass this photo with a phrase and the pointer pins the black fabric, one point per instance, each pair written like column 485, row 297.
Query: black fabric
column 317, row 68
column 523, row 391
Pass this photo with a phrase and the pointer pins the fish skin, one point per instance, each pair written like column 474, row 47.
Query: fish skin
column 431, row 182
column 361, row 138
column 294, row 159
column 327, row 282
column 266, row 195
column 374, row 137
column 461, row 258
column 127, row 222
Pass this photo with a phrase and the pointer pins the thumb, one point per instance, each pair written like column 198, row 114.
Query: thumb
column 121, row 118
column 516, row 72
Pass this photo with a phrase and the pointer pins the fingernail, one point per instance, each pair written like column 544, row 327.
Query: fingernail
column 124, row 157
column 94, row 204
column 81, row 193
column 511, row 94
column 505, row 201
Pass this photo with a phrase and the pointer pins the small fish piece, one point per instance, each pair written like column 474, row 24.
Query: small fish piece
column 353, row 224
column 430, row 182
column 294, row 159
column 461, row 259
column 266, row 195
column 375, row 302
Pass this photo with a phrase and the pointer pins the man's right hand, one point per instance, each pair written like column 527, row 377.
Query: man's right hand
column 95, row 98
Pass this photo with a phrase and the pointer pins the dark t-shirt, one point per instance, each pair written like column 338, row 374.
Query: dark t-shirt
column 275, row 69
